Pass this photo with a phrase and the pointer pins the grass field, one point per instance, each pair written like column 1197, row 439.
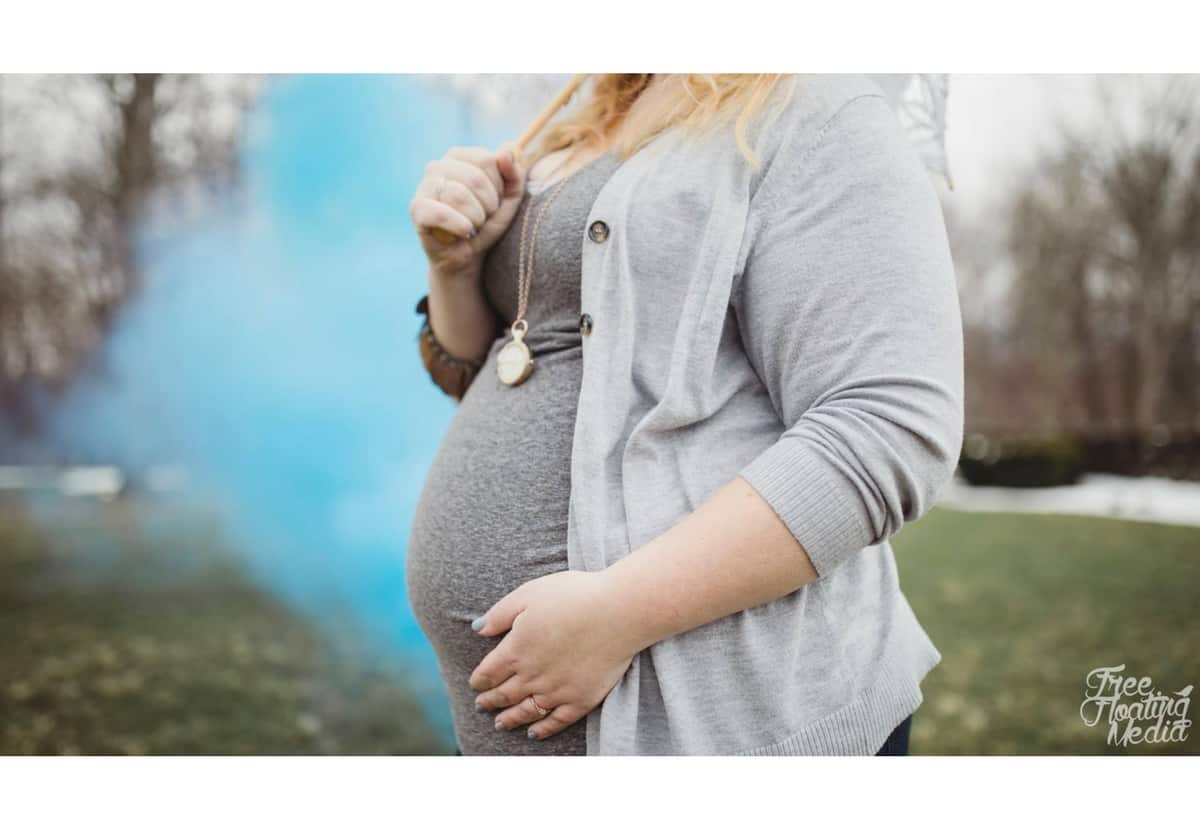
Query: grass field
column 1022, row 607
column 111, row 643
column 144, row 648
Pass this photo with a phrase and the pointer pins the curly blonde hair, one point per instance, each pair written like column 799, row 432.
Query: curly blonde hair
column 698, row 102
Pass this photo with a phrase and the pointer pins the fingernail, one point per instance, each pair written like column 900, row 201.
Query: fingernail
column 498, row 726
column 479, row 708
column 531, row 734
column 471, row 235
column 477, row 623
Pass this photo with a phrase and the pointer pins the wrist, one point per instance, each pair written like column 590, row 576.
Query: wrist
column 634, row 624
column 456, row 272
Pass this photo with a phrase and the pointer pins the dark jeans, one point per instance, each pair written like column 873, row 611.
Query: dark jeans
column 896, row 744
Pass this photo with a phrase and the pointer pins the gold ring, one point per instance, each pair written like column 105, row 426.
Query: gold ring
column 541, row 712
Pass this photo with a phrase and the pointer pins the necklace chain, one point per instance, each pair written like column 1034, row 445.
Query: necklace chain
column 524, row 268
column 515, row 361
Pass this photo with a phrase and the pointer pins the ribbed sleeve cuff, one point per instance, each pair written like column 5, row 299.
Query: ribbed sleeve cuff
column 817, row 502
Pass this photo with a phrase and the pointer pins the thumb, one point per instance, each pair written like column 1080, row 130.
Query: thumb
column 511, row 173
column 499, row 618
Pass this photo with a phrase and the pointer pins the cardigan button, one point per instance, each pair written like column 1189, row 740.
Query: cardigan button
column 598, row 231
column 585, row 324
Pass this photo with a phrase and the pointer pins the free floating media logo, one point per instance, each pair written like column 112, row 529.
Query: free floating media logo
column 1133, row 709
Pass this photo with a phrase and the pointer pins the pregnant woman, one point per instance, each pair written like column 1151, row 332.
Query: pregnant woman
column 706, row 344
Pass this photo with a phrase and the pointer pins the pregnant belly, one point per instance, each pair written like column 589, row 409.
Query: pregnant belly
column 492, row 513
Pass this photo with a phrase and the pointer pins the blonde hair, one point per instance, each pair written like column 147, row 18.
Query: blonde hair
column 698, row 102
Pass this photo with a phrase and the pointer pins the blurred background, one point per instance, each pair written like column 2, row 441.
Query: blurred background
column 214, row 422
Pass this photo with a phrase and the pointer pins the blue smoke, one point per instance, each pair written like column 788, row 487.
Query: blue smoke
column 272, row 353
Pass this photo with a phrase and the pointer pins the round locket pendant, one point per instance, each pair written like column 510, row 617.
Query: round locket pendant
column 515, row 361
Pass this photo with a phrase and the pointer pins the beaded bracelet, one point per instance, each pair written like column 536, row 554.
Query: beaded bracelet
column 451, row 374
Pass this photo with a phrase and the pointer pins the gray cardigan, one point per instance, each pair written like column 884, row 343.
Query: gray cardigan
column 798, row 326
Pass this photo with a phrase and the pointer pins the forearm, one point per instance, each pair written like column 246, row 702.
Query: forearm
column 732, row 553
column 459, row 314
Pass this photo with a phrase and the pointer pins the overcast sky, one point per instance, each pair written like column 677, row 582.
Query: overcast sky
column 995, row 122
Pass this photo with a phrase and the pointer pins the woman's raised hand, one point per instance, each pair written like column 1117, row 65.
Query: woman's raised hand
column 463, row 205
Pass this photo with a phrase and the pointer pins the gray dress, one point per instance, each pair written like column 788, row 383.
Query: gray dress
column 493, row 510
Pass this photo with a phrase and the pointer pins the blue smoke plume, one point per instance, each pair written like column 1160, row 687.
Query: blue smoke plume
column 272, row 353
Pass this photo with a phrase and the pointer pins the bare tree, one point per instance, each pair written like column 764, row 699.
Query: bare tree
column 1104, row 242
column 82, row 160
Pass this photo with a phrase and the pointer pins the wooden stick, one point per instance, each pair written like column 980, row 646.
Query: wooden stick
column 530, row 133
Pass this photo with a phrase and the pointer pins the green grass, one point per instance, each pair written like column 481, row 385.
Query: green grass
column 111, row 643
column 1022, row 607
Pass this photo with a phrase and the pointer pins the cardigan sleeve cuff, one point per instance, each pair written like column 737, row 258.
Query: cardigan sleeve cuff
column 817, row 502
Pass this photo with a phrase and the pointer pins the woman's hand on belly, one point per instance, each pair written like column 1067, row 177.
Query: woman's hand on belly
column 567, row 645
column 572, row 634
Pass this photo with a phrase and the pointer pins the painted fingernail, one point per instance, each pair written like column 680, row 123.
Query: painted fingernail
column 477, row 623
column 531, row 734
